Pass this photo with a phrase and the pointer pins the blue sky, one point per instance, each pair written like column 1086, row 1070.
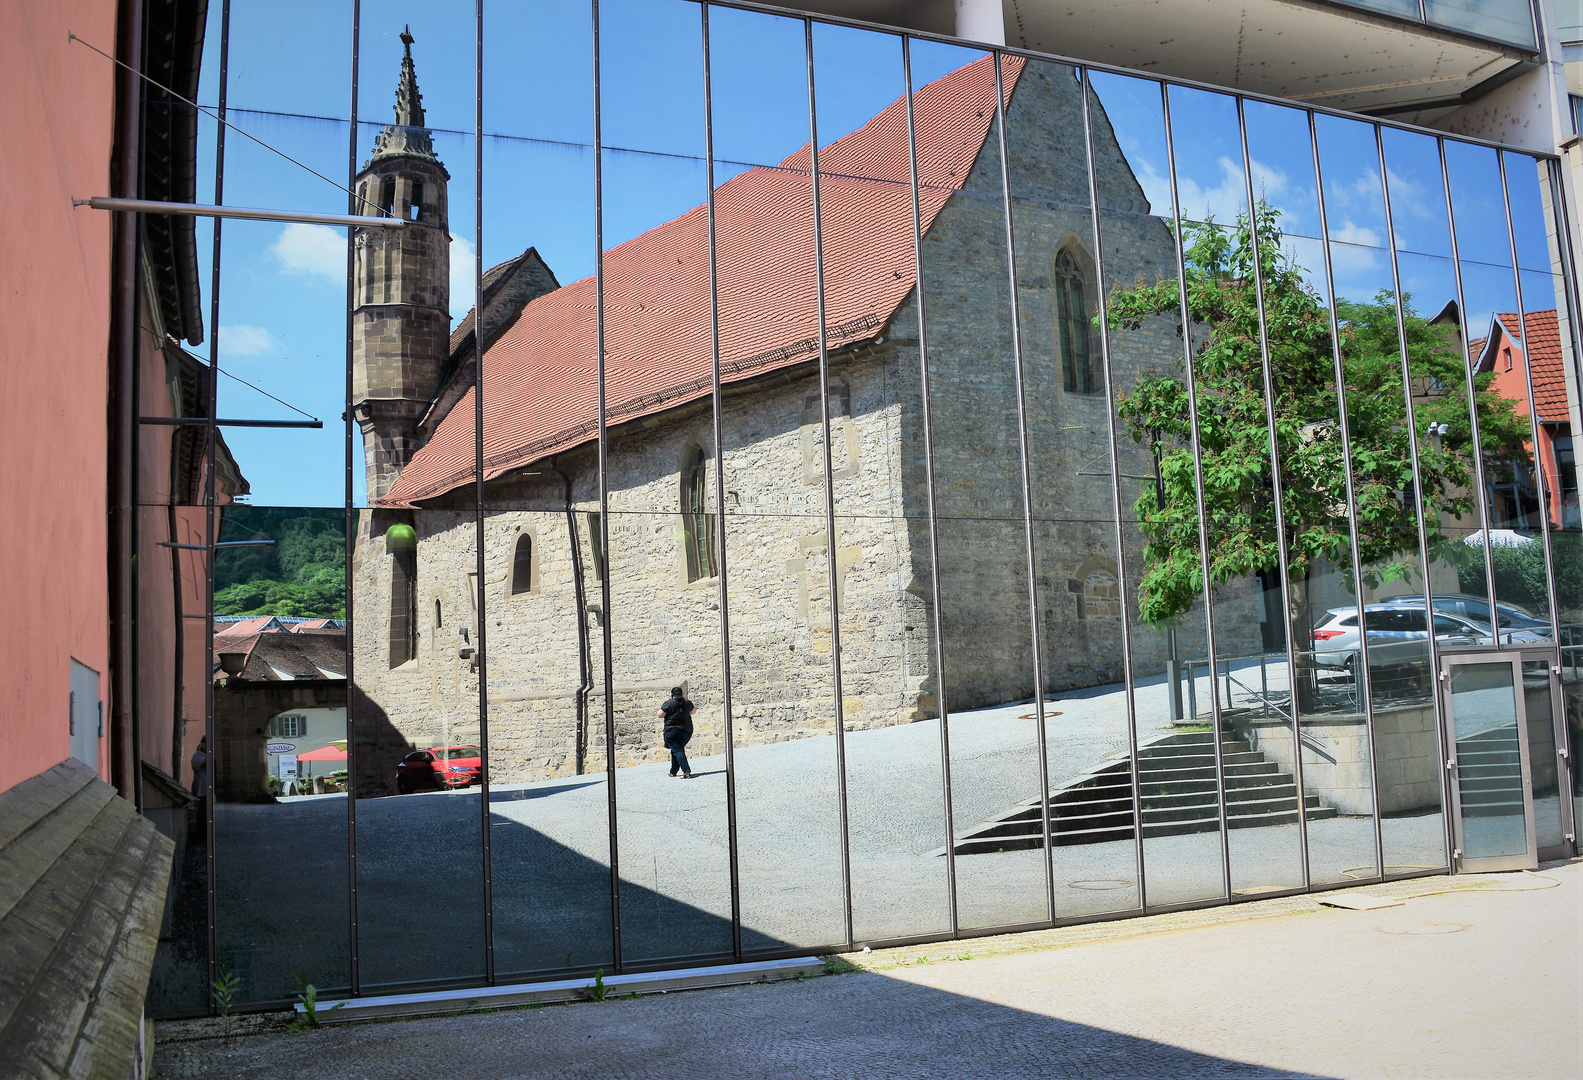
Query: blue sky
column 282, row 297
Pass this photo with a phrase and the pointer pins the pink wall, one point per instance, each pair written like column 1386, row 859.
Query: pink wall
column 56, row 128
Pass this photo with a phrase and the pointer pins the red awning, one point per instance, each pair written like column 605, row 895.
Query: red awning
column 324, row 753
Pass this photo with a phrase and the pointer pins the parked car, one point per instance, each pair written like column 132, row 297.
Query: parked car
column 1477, row 609
column 439, row 769
column 1398, row 639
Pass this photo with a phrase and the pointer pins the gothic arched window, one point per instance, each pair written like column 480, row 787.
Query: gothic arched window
column 698, row 525
column 523, row 577
column 403, row 606
column 1080, row 368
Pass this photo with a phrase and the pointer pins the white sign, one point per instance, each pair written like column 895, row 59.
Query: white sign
column 288, row 768
column 280, row 748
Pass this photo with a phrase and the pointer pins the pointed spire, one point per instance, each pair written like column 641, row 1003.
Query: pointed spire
column 409, row 103
column 407, row 137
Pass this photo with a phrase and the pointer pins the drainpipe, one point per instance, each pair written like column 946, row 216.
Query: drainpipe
column 122, row 399
column 584, row 675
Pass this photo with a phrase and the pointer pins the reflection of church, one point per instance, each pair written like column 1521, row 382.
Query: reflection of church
column 415, row 584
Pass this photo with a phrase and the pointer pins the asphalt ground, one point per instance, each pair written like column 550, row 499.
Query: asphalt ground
column 1472, row 976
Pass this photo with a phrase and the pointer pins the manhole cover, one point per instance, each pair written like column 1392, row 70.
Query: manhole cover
column 1101, row 885
column 1035, row 716
column 1423, row 928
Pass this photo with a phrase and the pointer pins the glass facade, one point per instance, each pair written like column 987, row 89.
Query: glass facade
column 801, row 486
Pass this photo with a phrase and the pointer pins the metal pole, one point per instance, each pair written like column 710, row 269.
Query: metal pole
column 723, row 591
column 1027, row 488
column 349, row 530
column 1128, row 678
column 929, row 488
column 153, row 206
column 1198, row 484
column 829, row 496
column 1278, row 491
column 479, row 332
column 604, row 510
column 211, row 531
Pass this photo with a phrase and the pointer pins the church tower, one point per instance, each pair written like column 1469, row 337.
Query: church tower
column 401, row 320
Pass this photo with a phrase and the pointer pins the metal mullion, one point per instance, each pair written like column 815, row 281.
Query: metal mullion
column 1361, row 676
column 349, row 524
column 720, row 498
column 929, row 487
column 478, row 486
column 604, row 508
column 1418, row 500
column 1567, row 824
column 1575, row 327
column 1198, row 483
column 1473, row 400
column 829, row 494
column 1027, row 486
column 1115, row 488
column 211, row 440
column 1279, row 493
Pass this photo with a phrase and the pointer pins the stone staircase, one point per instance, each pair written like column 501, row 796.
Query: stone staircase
column 1178, row 793
column 1490, row 774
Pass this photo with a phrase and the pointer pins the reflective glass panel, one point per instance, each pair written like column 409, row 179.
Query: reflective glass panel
column 982, row 534
column 415, row 720
column 548, row 790
column 1093, row 849
column 895, row 785
column 788, row 791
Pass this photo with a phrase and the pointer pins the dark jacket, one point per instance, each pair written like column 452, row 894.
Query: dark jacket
column 678, row 720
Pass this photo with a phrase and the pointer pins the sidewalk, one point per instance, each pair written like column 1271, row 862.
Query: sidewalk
column 1480, row 981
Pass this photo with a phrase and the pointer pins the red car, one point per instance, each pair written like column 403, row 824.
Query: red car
column 439, row 769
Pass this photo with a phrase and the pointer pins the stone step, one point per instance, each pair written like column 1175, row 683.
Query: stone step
column 1180, row 789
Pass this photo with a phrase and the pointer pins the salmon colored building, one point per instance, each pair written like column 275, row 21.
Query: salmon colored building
column 1517, row 354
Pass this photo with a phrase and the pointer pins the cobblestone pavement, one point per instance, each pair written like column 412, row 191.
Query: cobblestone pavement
column 1482, row 977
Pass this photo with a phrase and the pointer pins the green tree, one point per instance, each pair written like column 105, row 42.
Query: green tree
column 1239, row 493
column 302, row 574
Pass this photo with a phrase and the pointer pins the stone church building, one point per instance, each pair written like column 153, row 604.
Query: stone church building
column 550, row 562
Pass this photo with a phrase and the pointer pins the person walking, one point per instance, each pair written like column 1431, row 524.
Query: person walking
column 677, row 729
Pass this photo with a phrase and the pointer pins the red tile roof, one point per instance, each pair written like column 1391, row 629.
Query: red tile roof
column 1546, row 363
column 255, row 625
column 540, row 378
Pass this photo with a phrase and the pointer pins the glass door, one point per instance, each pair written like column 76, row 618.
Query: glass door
column 1492, row 793
column 1549, row 778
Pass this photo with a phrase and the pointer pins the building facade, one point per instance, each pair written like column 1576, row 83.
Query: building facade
column 991, row 444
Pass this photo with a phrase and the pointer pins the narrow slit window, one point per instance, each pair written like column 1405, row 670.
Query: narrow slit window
column 698, row 526
column 1078, row 369
column 522, row 566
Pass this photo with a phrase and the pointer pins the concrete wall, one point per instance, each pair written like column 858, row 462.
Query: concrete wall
column 56, row 128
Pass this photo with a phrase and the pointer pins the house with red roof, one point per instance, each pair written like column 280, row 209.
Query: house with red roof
column 1520, row 352
column 559, row 571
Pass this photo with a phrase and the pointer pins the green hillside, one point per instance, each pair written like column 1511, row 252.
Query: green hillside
column 303, row 574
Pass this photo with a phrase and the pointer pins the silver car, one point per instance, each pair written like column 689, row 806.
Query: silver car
column 1398, row 637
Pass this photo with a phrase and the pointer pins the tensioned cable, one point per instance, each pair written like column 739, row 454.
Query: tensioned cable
column 210, row 113
column 243, row 381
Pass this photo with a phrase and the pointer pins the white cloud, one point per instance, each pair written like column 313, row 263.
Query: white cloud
column 463, row 277
column 1223, row 201
column 312, row 250
column 1356, row 234
column 243, row 340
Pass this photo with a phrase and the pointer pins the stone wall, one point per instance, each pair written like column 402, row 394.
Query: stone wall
column 546, row 689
